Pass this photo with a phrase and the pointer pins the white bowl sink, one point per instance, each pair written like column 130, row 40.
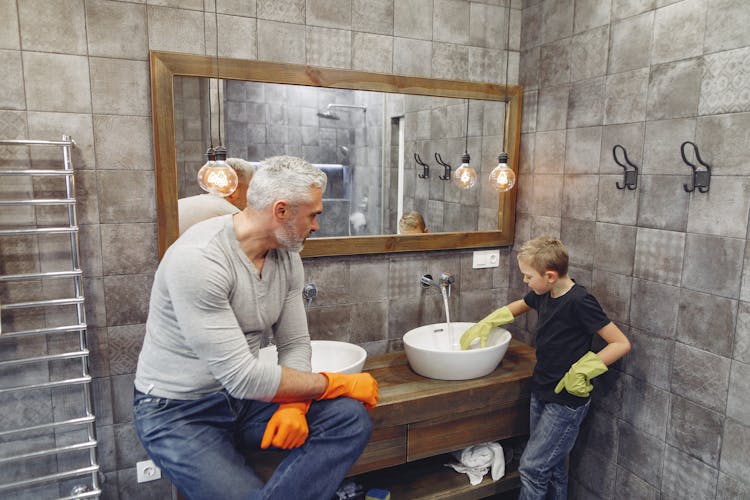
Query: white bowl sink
column 433, row 352
column 327, row 356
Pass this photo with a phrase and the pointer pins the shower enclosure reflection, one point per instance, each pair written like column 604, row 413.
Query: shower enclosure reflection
column 364, row 140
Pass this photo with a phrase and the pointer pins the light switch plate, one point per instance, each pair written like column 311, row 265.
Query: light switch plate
column 486, row 258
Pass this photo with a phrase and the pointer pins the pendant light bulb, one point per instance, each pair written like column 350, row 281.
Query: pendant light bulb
column 502, row 177
column 465, row 177
column 216, row 176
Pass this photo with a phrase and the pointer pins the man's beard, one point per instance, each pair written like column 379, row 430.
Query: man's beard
column 288, row 239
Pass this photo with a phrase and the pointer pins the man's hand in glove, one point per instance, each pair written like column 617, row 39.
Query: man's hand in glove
column 576, row 381
column 481, row 330
column 360, row 386
column 287, row 427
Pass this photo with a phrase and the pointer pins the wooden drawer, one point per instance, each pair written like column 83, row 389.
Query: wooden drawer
column 387, row 447
column 454, row 432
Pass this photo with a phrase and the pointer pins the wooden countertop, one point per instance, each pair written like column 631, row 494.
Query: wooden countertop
column 406, row 397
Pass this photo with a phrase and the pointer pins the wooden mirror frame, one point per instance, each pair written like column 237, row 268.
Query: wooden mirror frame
column 165, row 66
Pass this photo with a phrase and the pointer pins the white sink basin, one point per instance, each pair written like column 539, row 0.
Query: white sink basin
column 433, row 352
column 327, row 356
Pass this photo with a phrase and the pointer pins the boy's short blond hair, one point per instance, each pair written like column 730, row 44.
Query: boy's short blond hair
column 412, row 223
column 545, row 253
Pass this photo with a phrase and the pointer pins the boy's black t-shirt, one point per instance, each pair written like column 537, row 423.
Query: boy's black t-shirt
column 564, row 330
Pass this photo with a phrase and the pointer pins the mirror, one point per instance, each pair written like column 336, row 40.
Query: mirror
column 362, row 129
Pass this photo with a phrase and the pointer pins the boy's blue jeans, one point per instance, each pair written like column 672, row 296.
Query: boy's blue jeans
column 552, row 434
column 197, row 444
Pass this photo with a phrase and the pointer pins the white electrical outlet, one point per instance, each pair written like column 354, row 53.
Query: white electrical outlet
column 486, row 258
column 147, row 471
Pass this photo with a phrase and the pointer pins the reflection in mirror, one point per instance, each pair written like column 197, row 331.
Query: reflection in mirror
column 273, row 108
column 356, row 138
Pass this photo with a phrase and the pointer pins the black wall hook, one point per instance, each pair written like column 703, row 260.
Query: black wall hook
column 425, row 167
column 630, row 177
column 447, row 173
column 701, row 178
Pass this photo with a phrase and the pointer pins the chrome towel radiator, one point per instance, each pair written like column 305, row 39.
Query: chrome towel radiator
column 44, row 355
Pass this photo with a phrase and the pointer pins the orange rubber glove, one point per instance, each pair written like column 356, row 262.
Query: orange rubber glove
column 360, row 386
column 287, row 427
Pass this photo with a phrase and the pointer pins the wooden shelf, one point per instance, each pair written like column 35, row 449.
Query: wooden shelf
column 431, row 479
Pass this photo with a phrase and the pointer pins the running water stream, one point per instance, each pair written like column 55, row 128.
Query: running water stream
column 452, row 343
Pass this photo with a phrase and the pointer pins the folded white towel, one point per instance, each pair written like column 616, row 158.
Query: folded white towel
column 477, row 460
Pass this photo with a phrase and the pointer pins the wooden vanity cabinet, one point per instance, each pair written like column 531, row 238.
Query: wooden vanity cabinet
column 419, row 421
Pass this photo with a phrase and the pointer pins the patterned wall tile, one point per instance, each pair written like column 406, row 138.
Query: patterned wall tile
column 700, row 376
column 659, row 255
column 742, row 334
column 726, row 25
column 735, row 444
column 678, row 31
column 725, row 142
column 695, row 430
column 683, row 473
column 124, row 346
column 675, row 89
column 554, row 63
column 625, row 100
column 713, row 264
column 730, row 487
column 588, row 53
column 643, row 456
column 328, row 47
column 615, row 248
column 116, row 29
column 701, row 313
column 291, row 11
column 630, row 43
column 53, row 26
column 725, row 87
column 557, row 20
column 176, row 30
column 373, row 16
column 738, row 405
column 586, row 103
column 413, row 18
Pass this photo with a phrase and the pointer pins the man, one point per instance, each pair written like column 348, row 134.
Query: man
column 193, row 209
column 202, row 396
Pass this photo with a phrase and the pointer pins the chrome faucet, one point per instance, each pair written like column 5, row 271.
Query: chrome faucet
column 444, row 281
column 309, row 292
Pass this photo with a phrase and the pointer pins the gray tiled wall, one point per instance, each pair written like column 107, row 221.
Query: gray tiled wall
column 80, row 67
column 670, row 267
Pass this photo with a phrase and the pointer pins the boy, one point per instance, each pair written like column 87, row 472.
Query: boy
column 567, row 317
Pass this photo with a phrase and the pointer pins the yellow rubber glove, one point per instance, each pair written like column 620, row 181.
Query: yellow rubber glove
column 481, row 329
column 287, row 427
column 576, row 381
column 360, row 386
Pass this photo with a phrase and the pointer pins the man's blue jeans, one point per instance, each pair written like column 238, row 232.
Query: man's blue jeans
column 198, row 445
column 552, row 434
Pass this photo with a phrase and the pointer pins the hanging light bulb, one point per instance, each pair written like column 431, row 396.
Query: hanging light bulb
column 465, row 177
column 216, row 176
column 502, row 177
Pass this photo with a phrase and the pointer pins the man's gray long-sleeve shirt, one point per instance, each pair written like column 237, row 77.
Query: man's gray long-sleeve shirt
column 209, row 310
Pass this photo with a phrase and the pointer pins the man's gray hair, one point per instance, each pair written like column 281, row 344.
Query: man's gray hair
column 245, row 170
column 284, row 178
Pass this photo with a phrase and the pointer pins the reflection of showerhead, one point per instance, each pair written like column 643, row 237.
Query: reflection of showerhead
column 328, row 115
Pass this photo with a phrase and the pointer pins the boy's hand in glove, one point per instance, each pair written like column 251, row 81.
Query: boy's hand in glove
column 481, row 330
column 287, row 427
column 360, row 386
column 576, row 381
